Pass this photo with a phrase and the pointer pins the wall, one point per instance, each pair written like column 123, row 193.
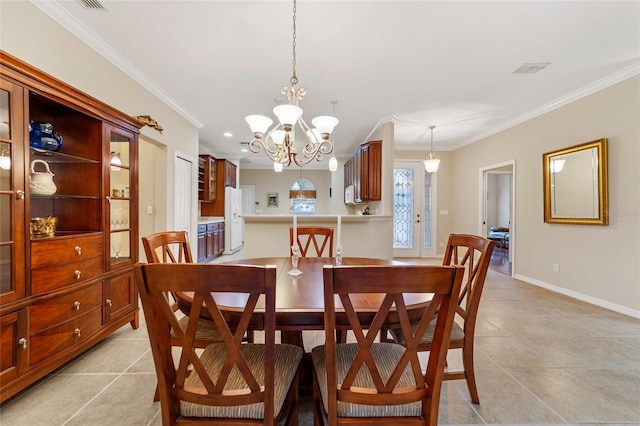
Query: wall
column 30, row 35
column 598, row 264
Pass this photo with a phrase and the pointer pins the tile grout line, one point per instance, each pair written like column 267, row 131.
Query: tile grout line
column 105, row 388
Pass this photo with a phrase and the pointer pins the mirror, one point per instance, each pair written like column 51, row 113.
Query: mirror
column 575, row 184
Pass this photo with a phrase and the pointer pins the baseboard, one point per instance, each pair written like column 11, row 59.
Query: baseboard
column 592, row 300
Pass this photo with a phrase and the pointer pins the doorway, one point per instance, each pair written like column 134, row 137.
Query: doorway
column 414, row 206
column 497, row 209
column 184, row 172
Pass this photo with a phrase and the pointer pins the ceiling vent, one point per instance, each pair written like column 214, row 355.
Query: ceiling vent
column 92, row 4
column 531, row 68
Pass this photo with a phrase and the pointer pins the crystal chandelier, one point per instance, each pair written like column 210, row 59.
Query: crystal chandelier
column 278, row 143
column 432, row 162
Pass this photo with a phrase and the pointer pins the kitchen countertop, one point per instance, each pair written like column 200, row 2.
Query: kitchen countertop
column 210, row 219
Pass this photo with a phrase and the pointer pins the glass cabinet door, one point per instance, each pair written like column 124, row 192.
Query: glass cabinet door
column 121, row 246
column 12, row 216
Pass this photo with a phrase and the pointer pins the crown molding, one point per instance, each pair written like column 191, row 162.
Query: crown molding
column 77, row 28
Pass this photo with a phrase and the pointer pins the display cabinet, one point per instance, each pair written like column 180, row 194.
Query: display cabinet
column 207, row 178
column 68, row 207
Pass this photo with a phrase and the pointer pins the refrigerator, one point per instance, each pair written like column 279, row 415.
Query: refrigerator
column 233, row 223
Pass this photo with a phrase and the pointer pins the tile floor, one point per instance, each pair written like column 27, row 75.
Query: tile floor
column 541, row 359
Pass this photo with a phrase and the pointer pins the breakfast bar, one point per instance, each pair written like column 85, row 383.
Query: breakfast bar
column 360, row 235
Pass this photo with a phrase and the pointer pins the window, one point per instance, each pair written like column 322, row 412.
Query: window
column 303, row 197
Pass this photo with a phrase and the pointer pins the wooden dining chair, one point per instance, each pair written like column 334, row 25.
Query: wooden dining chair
column 174, row 247
column 371, row 382
column 474, row 253
column 228, row 382
column 318, row 237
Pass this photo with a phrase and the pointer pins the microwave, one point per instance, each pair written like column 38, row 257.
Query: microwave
column 349, row 195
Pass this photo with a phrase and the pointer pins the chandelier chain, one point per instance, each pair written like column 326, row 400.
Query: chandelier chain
column 294, row 78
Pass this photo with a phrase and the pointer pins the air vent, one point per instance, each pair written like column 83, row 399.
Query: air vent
column 92, row 4
column 531, row 68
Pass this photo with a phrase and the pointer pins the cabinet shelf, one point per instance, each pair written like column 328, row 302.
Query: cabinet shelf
column 64, row 196
column 53, row 157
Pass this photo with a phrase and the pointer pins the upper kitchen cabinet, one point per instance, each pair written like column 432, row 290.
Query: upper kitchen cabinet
column 68, row 216
column 206, row 178
column 225, row 175
column 363, row 171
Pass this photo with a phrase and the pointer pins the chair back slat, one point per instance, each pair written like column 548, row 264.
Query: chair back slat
column 319, row 238
column 392, row 286
column 205, row 283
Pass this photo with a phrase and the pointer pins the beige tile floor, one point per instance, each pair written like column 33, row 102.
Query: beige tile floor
column 541, row 359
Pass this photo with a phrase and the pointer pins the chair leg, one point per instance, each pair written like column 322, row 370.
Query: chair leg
column 156, row 396
column 469, row 372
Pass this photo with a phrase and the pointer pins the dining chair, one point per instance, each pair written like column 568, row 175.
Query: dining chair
column 371, row 382
column 227, row 382
column 174, row 247
column 318, row 237
column 474, row 253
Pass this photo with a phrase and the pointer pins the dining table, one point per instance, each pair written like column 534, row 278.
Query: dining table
column 300, row 299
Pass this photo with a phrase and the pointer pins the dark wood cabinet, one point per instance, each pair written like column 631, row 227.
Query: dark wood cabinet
column 229, row 173
column 225, row 176
column 207, row 178
column 65, row 290
column 364, row 171
column 210, row 241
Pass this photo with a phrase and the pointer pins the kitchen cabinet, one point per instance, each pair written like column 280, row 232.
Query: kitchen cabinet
column 225, row 176
column 363, row 171
column 210, row 241
column 206, row 178
column 66, row 288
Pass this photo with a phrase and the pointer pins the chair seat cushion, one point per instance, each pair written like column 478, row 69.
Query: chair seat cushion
column 206, row 331
column 287, row 359
column 384, row 354
column 456, row 333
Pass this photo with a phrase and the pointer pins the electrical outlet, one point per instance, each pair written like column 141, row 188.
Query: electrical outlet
column 441, row 244
column 556, row 267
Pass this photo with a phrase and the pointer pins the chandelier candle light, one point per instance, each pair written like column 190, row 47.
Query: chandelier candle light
column 278, row 143
column 432, row 162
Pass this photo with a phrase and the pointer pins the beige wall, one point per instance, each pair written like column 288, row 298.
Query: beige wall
column 599, row 264
column 30, row 35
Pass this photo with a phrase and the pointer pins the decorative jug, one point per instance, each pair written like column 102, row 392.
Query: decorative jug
column 41, row 183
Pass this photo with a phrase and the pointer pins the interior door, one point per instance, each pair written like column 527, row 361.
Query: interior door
column 183, row 193
column 414, row 227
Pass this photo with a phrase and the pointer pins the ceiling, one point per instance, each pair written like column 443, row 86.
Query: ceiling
column 417, row 63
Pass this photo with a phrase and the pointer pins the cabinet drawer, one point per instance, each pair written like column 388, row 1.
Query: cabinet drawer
column 212, row 226
column 202, row 229
column 58, row 338
column 66, row 307
column 57, row 251
column 52, row 277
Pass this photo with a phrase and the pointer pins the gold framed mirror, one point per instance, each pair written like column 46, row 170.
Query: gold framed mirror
column 576, row 188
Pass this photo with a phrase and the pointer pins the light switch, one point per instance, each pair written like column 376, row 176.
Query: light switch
column 149, row 209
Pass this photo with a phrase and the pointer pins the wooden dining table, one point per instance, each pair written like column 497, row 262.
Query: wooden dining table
column 300, row 299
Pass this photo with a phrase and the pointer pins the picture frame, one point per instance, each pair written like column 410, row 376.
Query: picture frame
column 272, row 199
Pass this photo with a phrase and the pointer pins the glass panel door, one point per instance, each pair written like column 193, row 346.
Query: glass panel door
column 413, row 211
column 120, row 244
column 12, row 203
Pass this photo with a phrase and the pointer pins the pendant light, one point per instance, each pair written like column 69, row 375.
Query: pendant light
column 431, row 162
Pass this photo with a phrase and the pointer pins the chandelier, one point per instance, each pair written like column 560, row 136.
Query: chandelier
column 431, row 162
column 279, row 142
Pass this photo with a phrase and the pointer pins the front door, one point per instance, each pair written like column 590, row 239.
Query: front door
column 414, row 227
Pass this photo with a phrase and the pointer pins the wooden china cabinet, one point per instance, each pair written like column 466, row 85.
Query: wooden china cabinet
column 62, row 293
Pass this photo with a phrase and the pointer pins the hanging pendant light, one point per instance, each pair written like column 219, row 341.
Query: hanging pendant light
column 333, row 161
column 431, row 162
column 280, row 147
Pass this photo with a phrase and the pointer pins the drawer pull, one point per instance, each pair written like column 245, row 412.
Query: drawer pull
column 23, row 342
column 77, row 331
column 76, row 305
column 108, row 301
column 78, row 250
column 77, row 273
